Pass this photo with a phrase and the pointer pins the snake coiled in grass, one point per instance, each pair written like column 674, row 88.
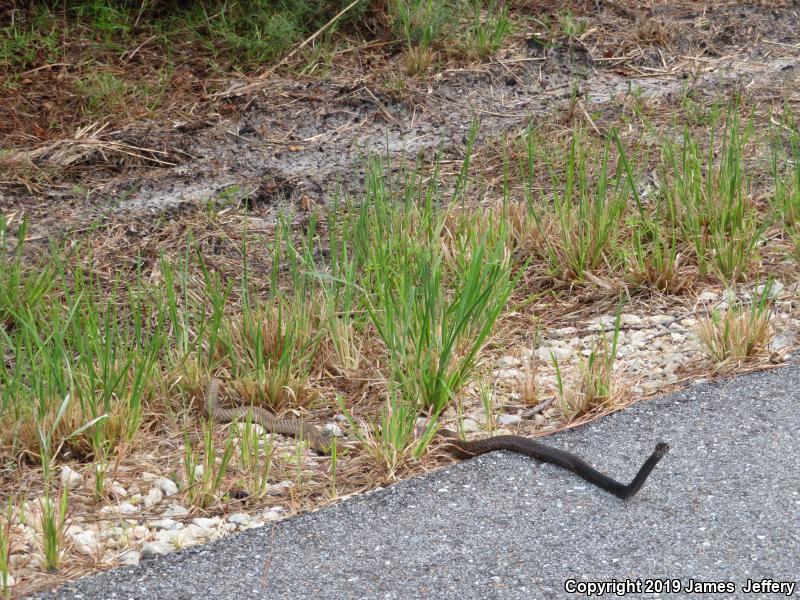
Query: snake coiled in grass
column 321, row 442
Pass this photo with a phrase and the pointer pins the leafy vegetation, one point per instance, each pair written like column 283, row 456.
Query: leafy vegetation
column 378, row 308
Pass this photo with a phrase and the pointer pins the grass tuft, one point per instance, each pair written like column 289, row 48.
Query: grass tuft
column 709, row 201
column 739, row 331
column 255, row 457
column 596, row 388
column 203, row 474
column 579, row 226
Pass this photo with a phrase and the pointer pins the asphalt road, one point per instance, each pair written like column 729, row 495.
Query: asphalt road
column 722, row 508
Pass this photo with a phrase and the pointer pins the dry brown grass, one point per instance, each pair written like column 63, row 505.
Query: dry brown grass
column 527, row 388
column 736, row 333
column 597, row 389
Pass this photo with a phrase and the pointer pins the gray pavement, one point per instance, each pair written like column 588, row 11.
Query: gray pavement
column 723, row 506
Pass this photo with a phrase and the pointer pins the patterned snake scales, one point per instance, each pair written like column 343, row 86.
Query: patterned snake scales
column 321, row 442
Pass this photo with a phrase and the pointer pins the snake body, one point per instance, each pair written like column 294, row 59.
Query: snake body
column 562, row 458
column 321, row 442
column 316, row 438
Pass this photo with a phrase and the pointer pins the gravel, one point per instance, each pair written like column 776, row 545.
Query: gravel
column 721, row 508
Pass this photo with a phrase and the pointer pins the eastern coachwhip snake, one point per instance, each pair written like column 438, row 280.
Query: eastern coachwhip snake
column 321, row 442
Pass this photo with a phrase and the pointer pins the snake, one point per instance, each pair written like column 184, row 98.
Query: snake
column 317, row 439
column 535, row 449
column 320, row 441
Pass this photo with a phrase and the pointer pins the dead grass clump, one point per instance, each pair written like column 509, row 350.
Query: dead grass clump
column 88, row 147
column 269, row 350
column 652, row 32
column 597, row 388
column 664, row 278
column 529, row 239
column 527, row 389
column 655, row 262
column 736, row 333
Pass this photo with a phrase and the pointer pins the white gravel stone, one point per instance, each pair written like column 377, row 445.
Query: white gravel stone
column 630, row 320
column 112, row 543
column 70, row 479
column 470, row 425
column 123, row 508
column 165, row 536
column 507, row 362
column 166, row 485
column 334, row 430
column 156, row 548
column 166, row 524
column 239, row 518
column 207, row 523
column 179, row 538
column 774, row 291
column 781, row 341
column 545, row 353
column 113, row 532
column 508, row 374
column 196, row 532
column 176, row 510
column 509, row 420
column 129, row 557
column 708, row 296
column 118, row 490
column 86, row 542
column 154, row 496
column 272, row 514
column 256, row 428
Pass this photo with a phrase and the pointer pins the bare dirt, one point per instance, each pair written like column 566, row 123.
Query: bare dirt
column 300, row 140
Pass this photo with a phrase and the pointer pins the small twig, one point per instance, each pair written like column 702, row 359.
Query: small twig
column 794, row 46
column 527, row 414
column 50, row 66
column 383, row 108
column 268, row 561
column 511, row 61
column 139, row 47
column 586, row 114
